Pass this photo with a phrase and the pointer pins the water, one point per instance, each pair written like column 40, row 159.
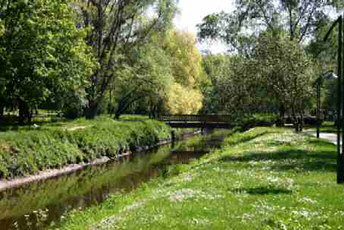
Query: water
column 38, row 204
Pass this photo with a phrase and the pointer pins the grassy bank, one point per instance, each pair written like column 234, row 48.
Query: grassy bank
column 266, row 178
column 32, row 149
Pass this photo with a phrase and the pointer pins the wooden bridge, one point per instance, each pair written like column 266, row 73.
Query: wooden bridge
column 196, row 121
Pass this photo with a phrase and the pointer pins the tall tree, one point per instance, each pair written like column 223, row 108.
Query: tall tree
column 217, row 68
column 42, row 52
column 301, row 18
column 164, row 74
column 287, row 72
column 184, row 95
column 143, row 77
column 116, row 26
column 2, row 79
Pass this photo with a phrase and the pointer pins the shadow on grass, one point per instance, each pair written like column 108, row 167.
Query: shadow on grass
column 263, row 190
column 320, row 143
column 15, row 126
column 291, row 159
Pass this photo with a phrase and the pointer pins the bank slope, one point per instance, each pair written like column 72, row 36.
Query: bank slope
column 265, row 178
column 31, row 151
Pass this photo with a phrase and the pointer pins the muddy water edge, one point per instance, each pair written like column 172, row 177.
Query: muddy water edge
column 39, row 204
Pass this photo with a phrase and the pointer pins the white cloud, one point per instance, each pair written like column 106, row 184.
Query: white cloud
column 193, row 11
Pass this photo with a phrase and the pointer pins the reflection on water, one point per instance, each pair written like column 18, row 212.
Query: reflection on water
column 37, row 204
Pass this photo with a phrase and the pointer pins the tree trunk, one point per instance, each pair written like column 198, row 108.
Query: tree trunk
column 24, row 112
column 92, row 110
column 295, row 118
column 117, row 115
column 301, row 121
column 2, row 108
column 282, row 114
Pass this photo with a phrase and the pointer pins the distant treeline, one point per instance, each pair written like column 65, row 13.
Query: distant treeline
column 85, row 58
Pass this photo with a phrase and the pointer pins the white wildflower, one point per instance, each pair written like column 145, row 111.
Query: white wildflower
column 307, row 200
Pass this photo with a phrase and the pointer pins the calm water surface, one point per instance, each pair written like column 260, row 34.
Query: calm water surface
column 38, row 204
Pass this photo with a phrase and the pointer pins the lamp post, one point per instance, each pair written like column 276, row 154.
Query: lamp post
column 319, row 83
column 340, row 107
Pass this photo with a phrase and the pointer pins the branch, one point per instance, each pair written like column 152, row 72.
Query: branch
column 308, row 23
column 265, row 17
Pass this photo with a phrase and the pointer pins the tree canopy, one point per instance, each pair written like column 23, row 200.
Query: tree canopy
column 43, row 53
column 115, row 27
column 300, row 18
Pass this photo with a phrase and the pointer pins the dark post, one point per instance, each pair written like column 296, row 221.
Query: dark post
column 340, row 171
column 318, row 107
column 340, row 108
column 173, row 136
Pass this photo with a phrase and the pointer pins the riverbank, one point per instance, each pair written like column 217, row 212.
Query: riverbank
column 46, row 201
column 265, row 178
column 74, row 144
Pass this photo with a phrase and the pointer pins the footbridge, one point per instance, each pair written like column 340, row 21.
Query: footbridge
column 196, row 121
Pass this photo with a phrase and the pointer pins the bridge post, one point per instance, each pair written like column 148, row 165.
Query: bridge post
column 173, row 136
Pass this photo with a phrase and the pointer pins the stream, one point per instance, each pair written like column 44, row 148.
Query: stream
column 39, row 204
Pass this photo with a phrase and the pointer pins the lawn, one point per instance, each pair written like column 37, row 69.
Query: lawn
column 265, row 178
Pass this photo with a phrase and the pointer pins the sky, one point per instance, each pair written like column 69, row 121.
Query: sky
column 193, row 11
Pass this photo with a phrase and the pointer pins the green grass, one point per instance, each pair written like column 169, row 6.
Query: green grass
column 265, row 178
column 32, row 149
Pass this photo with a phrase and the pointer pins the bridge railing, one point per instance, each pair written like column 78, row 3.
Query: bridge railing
column 196, row 118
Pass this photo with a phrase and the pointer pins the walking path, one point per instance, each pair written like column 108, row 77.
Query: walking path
column 332, row 137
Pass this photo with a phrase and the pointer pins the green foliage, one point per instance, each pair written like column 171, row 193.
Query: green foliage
column 256, row 120
column 278, row 76
column 286, row 70
column 143, row 78
column 44, row 54
column 74, row 105
column 301, row 20
column 235, row 86
column 162, row 75
column 217, row 68
column 184, row 57
column 183, row 96
column 182, row 100
column 28, row 152
column 116, row 30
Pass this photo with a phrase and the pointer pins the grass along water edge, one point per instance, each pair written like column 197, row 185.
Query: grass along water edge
column 265, row 178
column 29, row 151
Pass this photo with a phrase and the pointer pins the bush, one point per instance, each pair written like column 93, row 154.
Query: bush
column 75, row 107
column 258, row 119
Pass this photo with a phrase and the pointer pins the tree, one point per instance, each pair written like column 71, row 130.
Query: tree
column 301, row 18
column 143, row 77
column 2, row 79
column 163, row 74
column 184, row 95
column 217, row 68
column 117, row 26
column 181, row 100
column 278, row 76
column 43, row 53
column 287, row 72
